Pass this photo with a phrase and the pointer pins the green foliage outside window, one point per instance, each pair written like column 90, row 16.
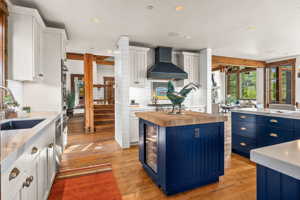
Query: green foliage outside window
column 248, row 85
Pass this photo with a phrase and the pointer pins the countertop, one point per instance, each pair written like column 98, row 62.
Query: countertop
column 13, row 142
column 187, row 118
column 270, row 112
column 284, row 158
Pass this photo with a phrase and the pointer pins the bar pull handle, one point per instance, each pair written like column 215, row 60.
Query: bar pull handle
column 243, row 144
column 243, row 128
column 274, row 121
column 273, row 135
column 243, row 117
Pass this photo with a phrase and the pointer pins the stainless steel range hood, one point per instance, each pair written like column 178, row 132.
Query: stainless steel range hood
column 164, row 68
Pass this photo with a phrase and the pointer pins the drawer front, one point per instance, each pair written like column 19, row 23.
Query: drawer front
column 244, row 129
column 243, row 144
column 240, row 117
column 274, row 135
column 279, row 122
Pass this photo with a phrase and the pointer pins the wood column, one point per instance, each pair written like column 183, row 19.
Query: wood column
column 88, row 93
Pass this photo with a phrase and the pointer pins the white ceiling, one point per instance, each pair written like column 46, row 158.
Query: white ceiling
column 255, row 29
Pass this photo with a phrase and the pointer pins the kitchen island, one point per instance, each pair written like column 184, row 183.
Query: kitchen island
column 181, row 152
column 278, row 171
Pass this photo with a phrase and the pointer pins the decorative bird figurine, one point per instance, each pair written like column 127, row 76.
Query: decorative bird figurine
column 177, row 98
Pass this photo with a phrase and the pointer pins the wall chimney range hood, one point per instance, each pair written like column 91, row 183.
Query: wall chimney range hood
column 164, row 68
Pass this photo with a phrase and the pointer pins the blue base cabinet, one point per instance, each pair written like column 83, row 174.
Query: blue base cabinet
column 250, row 131
column 183, row 157
column 273, row 185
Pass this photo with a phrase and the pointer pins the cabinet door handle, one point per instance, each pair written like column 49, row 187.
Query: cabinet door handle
column 243, row 128
column 41, row 75
column 28, row 181
column 13, row 174
column 273, row 135
column 136, row 82
column 274, row 121
column 50, row 145
column 34, row 150
column 197, row 132
column 243, row 117
column 243, row 144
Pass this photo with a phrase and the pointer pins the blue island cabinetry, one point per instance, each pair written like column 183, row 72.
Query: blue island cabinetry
column 180, row 158
column 273, row 185
column 250, row 131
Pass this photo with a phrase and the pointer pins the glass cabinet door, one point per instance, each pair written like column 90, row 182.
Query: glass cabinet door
column 151, row 134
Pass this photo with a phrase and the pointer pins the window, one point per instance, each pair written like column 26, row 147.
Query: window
column 241, row 83
column 280, row 82
column 248, row 85
column 232, row 88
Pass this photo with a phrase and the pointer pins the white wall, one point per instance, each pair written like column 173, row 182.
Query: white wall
column 102, row 71
column 17, row 89
column 74, row 67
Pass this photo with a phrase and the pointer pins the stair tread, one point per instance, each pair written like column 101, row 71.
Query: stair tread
column 103, row 120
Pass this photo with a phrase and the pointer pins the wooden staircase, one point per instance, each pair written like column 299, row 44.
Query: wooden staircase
column 104, row 117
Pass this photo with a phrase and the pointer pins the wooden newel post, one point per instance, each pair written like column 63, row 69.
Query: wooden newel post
column 88, row 93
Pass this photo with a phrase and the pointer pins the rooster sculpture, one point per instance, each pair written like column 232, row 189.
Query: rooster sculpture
column 177, row 98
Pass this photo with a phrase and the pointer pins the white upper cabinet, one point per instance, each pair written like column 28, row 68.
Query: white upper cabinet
column 191, row 63
column 138, row 66
column 25, row 45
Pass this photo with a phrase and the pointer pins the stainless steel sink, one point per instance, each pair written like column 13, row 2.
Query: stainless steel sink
column 20, row 124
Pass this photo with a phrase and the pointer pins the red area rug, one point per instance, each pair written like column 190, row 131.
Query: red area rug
column 85, row 184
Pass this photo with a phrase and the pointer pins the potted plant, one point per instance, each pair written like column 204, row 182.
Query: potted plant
column 70, row 103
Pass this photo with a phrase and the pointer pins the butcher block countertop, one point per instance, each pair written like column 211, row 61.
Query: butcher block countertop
column 187, row 118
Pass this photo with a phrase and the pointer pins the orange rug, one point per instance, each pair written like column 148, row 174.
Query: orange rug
column 85, row 184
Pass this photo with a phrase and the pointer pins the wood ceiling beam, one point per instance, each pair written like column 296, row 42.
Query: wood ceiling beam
column 222, row 60
column 74, row 56
column 100, row 60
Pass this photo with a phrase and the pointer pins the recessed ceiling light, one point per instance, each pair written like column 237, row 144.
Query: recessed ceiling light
column 187, row 37
column 150, row 7
column 179, row 8
column 95, row 20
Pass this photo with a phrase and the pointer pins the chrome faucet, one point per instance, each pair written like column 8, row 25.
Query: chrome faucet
column 3, row 110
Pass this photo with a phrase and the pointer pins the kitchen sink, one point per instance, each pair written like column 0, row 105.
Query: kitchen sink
column 20, row 124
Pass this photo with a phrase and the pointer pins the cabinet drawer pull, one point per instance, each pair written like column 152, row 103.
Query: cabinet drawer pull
column 13, row 174
column 50, row 145
column 274, row 121
column 28, row 181
column 243, row 128
column 243, row 144
column 34, row 150
column 243, row 117
column 136, row 82
column 273, row 135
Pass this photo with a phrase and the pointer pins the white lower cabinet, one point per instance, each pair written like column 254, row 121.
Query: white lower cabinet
column 31, row 176
column 134, row 129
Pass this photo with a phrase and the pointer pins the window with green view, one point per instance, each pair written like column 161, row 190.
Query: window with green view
column 248, row 85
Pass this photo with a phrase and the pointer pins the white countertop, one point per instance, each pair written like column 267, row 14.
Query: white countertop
column 13, row 142
column 284, row 158
column 270, row 112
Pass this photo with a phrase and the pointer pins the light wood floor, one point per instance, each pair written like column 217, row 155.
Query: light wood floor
column 239, row 182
